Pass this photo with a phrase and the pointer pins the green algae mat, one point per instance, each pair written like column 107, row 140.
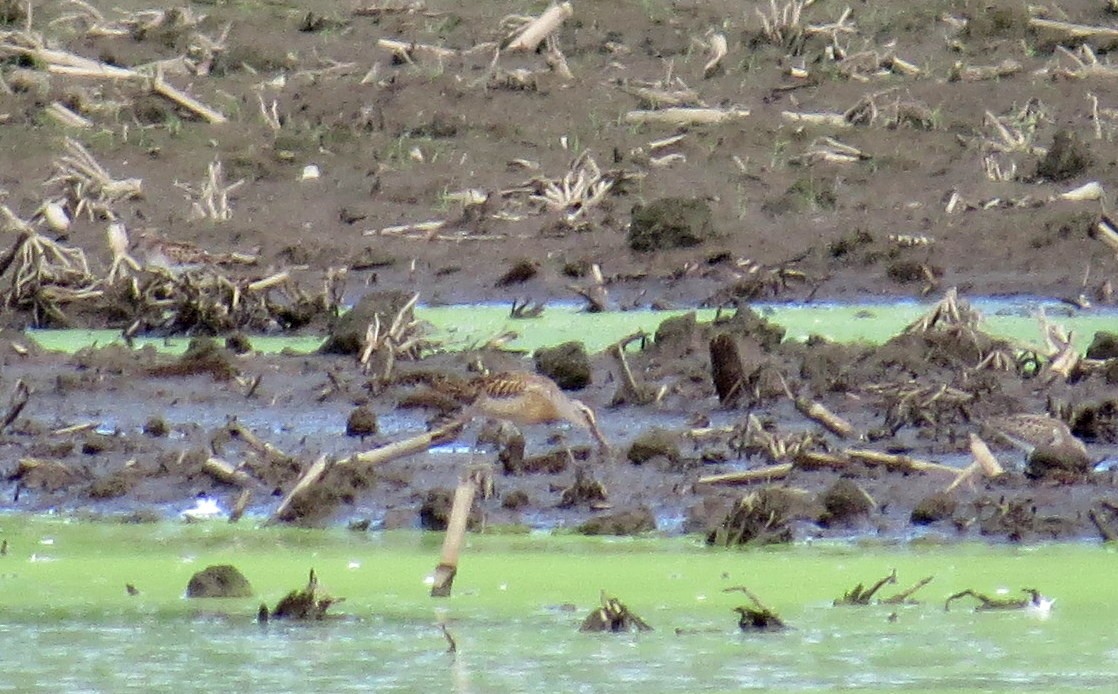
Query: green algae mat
column 463, row 327
column 69, row 624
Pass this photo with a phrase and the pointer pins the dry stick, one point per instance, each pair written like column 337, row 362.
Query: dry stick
column 240, row 505
column 400, row 449
column 685, row 116
column 964, row 475
column 537, row 30
column 376, row 456
column 61, row 62
column 75, row 429
column 813, row 459
column 256, row 443
column 455, row 538
column 984, row 458
column 1074, row 31
column 58, row 111
column 765, row 474
column 224, row 471
column 904, row 595
column 629, row 390
column 268, row 282
column 898, row 462
column 405, row 50
column 819, row 413
column 311, row 477
column 834, row 120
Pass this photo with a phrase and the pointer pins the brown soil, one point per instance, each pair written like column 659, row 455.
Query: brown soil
column 395, row 139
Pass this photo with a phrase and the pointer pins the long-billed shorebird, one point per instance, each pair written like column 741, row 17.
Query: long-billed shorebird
column 526, row 398
column 1032, row 432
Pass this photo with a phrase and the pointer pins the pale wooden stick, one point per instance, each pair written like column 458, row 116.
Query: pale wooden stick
column 1075, row 31
column 984, row 458
column 400, row 449
column 765, row 474
column 537, row 30
column 310, row 478
column 964, row 475
column 686, row 116
column 455, row 538
column 58, row 111
column 834, row 120
column 898, row 462
column 184, row 100
column 224, row 471
column 407, row 50
column 268, row 282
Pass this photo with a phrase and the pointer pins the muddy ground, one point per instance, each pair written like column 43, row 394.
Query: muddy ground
column 944, row 168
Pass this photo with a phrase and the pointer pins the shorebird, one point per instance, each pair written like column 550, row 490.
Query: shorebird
column 526, row 398
column 176, row 256
column 1033, row 432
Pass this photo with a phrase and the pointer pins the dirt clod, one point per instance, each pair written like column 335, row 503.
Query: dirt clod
column 670, row 223
column 219, row 581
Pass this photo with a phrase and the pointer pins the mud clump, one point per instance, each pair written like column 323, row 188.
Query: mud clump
column 808, row 194
column 670, row 223
column 1066, row 158
column 568, row 364
column 1059, row 462
column 764, row 517
column 361, row 422
column 655, row 443
column 933, row 508
column 46, row 475
column 434, row 512
column 622, row 523
column 348, row 333
column 678, row 334
column 202, row 356
column 1001, row 19
column 219, row 581
column 845, row 502
column 1104, row 346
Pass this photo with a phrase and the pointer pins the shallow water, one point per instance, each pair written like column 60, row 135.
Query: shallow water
column 66, row 620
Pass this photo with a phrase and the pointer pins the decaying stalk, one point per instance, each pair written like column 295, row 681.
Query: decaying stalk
column 535, row 31
column 88, row 186
column 984, row 458
column 455, row 538
column 401, row 339
column 629, row 390
column 718, row 48
column 210, row 200
column 948, row 312
column 597, row 298
column 681, row 116
column 819, row 413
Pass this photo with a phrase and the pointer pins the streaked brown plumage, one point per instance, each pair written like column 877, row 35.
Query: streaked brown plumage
column 176, row 256
column 526, row 398
column 1030, row 432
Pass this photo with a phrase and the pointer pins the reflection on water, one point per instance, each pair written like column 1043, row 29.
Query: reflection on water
column 834, row 649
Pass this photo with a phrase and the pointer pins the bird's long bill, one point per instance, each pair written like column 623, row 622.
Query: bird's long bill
column 592, row 423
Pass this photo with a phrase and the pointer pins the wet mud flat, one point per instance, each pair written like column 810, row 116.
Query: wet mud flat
column 135, row 434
